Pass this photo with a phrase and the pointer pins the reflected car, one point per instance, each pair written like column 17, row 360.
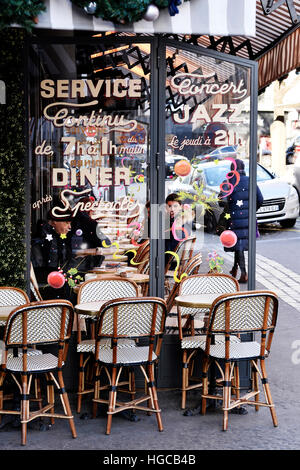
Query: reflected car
column 281, row 203
column 218, row 153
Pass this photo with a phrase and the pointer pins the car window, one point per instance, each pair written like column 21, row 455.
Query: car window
column 262, row 173
column 228, row 149
column 216, row 175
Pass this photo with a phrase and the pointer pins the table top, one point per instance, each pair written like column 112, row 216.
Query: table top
column 136, row 277
column 6, row 310
column 89, row 308
column 197, row 300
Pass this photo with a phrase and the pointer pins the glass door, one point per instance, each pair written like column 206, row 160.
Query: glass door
column 208, row 148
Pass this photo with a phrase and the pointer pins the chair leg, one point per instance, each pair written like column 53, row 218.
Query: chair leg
column 267, row 391
column 24, row 409
column 205, row 366
column 66, row 403
column 237, row 381
column 38, row 393
column 226, row 395
column 2, row 378
column 50, row 395
column 97, row 371
column 155, row 399
column 111, row 399
column 255, row 384
column 80, row 382
column 185, row 379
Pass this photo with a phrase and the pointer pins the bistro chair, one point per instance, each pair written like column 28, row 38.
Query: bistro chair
column 192, row 267
column 139, row 318
column 242, row 312
column 39, row 323
column 12, row 296
column 191, row 338
column 92, row 291
column 184, row 250
column 34, row 287
column 140, row 250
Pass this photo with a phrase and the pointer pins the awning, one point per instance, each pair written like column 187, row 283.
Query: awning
column 212, row 17
column 280, row 60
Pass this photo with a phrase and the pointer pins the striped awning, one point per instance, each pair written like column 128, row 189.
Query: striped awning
column 212, row 17
column 280, row 60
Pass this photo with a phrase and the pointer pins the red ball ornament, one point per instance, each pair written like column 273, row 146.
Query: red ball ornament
column 56, row 279
column 228, row 238
column 182, row 168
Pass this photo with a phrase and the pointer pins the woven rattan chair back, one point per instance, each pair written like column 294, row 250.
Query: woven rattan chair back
column 12, row 296
column 144, row 260
column 184, row 250
column 45, row 322
column 34, row 287
column 205, row 284
column 190, row 268
column 106, row 289
column 141, row 249
column 244, row 312
column 132, row 318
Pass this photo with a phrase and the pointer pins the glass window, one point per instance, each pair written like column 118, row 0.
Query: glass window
column 90, row 139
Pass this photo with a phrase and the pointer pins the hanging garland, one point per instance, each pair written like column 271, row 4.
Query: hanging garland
column 20, row 12
column 129, row 11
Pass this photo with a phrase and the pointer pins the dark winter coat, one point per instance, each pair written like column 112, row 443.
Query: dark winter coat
column 238, row 207
column 49, row 252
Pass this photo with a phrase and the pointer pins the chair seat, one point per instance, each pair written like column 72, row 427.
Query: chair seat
column 136, row 355
column 88, row 345
column 193, row 342
column 10, row 352
column 242, row 350
column 36, row 363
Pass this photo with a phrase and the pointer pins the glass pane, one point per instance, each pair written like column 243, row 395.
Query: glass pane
column 90, row 139
column 207, row 131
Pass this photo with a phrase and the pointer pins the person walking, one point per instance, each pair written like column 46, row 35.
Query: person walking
column 238, row 208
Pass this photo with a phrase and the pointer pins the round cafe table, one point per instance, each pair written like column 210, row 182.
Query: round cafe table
column 5, row 311
column 197, row 300
column 89, row 308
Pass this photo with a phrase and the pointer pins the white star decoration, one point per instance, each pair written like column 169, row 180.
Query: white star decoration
column 49, row 237
column 239, row 203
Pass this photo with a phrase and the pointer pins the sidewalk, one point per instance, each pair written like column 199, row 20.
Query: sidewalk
column 252, row 431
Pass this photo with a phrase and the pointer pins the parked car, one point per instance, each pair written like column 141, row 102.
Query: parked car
column 220, row 152
column 281, row 203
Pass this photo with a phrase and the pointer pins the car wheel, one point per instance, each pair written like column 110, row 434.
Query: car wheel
column 288, row 223
column 210, row 222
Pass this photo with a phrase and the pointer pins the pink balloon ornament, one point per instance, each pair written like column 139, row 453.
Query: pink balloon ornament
column 56, row 279
column 228, row 238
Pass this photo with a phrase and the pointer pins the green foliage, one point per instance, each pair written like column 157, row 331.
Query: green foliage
column 21, row 12
column 12, row 158
column 121, row 12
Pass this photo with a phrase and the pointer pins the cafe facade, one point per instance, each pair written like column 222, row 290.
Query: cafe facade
column 119, row 117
